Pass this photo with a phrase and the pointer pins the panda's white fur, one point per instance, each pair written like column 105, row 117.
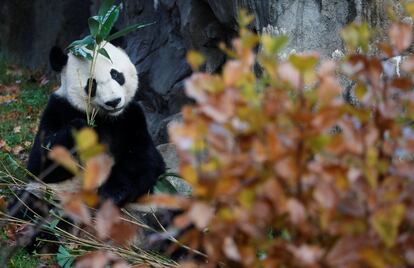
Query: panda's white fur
column 75, row 75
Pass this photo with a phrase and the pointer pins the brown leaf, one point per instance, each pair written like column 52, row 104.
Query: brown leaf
column 17, row 129
column 329, row 89
column 75, row 208
column 97, row 259
column 97, row 171
column 106, row 216
column 346, row 251
column 123, row 233
column 230, row 249
column 63, row 157
column 297, row 211
column 401, row 36
column 201, row 214
column 17, row 149
column 289, row 74
column 166, row 201
column 7, row 99
column 233, row 73
column 327, row 68
column 306, row 254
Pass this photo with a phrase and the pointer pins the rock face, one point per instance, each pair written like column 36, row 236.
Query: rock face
column 29, row 28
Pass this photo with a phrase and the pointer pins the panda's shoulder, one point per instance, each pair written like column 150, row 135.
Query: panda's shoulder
column 59, row 103
column 135, row 110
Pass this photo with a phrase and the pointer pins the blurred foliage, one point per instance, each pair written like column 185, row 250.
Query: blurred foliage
column 274, row 185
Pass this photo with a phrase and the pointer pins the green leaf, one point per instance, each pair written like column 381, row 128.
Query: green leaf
column 87, row 40
column 105, row 6
column 128, row 30
column 303, row 63
column 64, row 258
column 109, row 20
column 386, row 222
column 81, row 53
column 164, row 186
column 272, row 45
column 94, row 23
column 104, row 53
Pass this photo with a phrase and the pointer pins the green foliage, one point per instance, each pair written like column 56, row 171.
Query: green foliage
column 64, row 258
column 164, row 186
column 23, row 260
column 100, row 27
column 22, row 98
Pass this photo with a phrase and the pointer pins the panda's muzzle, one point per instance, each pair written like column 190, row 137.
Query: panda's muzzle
column 113, row 103
column 112, row 111
column 111, row 106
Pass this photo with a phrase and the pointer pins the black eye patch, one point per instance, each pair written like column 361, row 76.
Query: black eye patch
column 118, row 77
column 93, row 89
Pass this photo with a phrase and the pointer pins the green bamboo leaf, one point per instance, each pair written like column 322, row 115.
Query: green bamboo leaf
column 82, row 53
column 87, row 40
column 128, row 30
column 164, row 186
column 105, row 6
column 103, row 52
column 109, row 20
column 94, row 25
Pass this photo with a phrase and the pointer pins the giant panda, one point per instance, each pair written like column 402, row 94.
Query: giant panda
column 120, row 124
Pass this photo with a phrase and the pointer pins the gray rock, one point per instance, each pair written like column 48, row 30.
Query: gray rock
column 169, row 153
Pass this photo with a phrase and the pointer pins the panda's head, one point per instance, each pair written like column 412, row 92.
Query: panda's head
column 114, row 83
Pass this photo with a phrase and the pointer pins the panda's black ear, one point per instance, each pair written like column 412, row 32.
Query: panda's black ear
column 58, row 59
column 118, row 42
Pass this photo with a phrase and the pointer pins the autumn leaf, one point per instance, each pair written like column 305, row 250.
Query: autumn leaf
column 401, row 36
column 17, row 129
column 75, row 208
column 97, row 170
column 63, row 157
column 195, row 59
column 106, row 216
column 86, row 138
column 386, row 222
column 201, row 214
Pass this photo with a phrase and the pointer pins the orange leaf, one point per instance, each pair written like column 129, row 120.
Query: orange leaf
column 75, row 208
column 97, row 171
column 401, row 36
column 201, row 214
column 63, row 157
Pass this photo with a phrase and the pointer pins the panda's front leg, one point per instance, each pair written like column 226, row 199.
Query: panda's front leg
column 39, row 163
column 129, row 181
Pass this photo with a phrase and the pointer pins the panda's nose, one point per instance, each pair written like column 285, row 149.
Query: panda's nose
column 113, row 103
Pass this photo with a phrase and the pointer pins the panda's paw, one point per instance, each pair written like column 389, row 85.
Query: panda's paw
column 118, row 197
column 78, row 123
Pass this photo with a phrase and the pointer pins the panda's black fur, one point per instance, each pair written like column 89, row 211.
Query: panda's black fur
column 137, row 163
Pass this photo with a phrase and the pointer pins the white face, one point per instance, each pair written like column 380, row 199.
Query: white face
column 114, row 83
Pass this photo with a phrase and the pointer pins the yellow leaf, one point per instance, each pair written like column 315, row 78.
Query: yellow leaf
column 85, row 139
column 386, row 222
column 272, row 45
column 62, row 156
column 244, row 18
column 246, row 198
column 409, row 7
column 195, row 59
column 304, row 63
column 189, row 174
column 356, row 35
